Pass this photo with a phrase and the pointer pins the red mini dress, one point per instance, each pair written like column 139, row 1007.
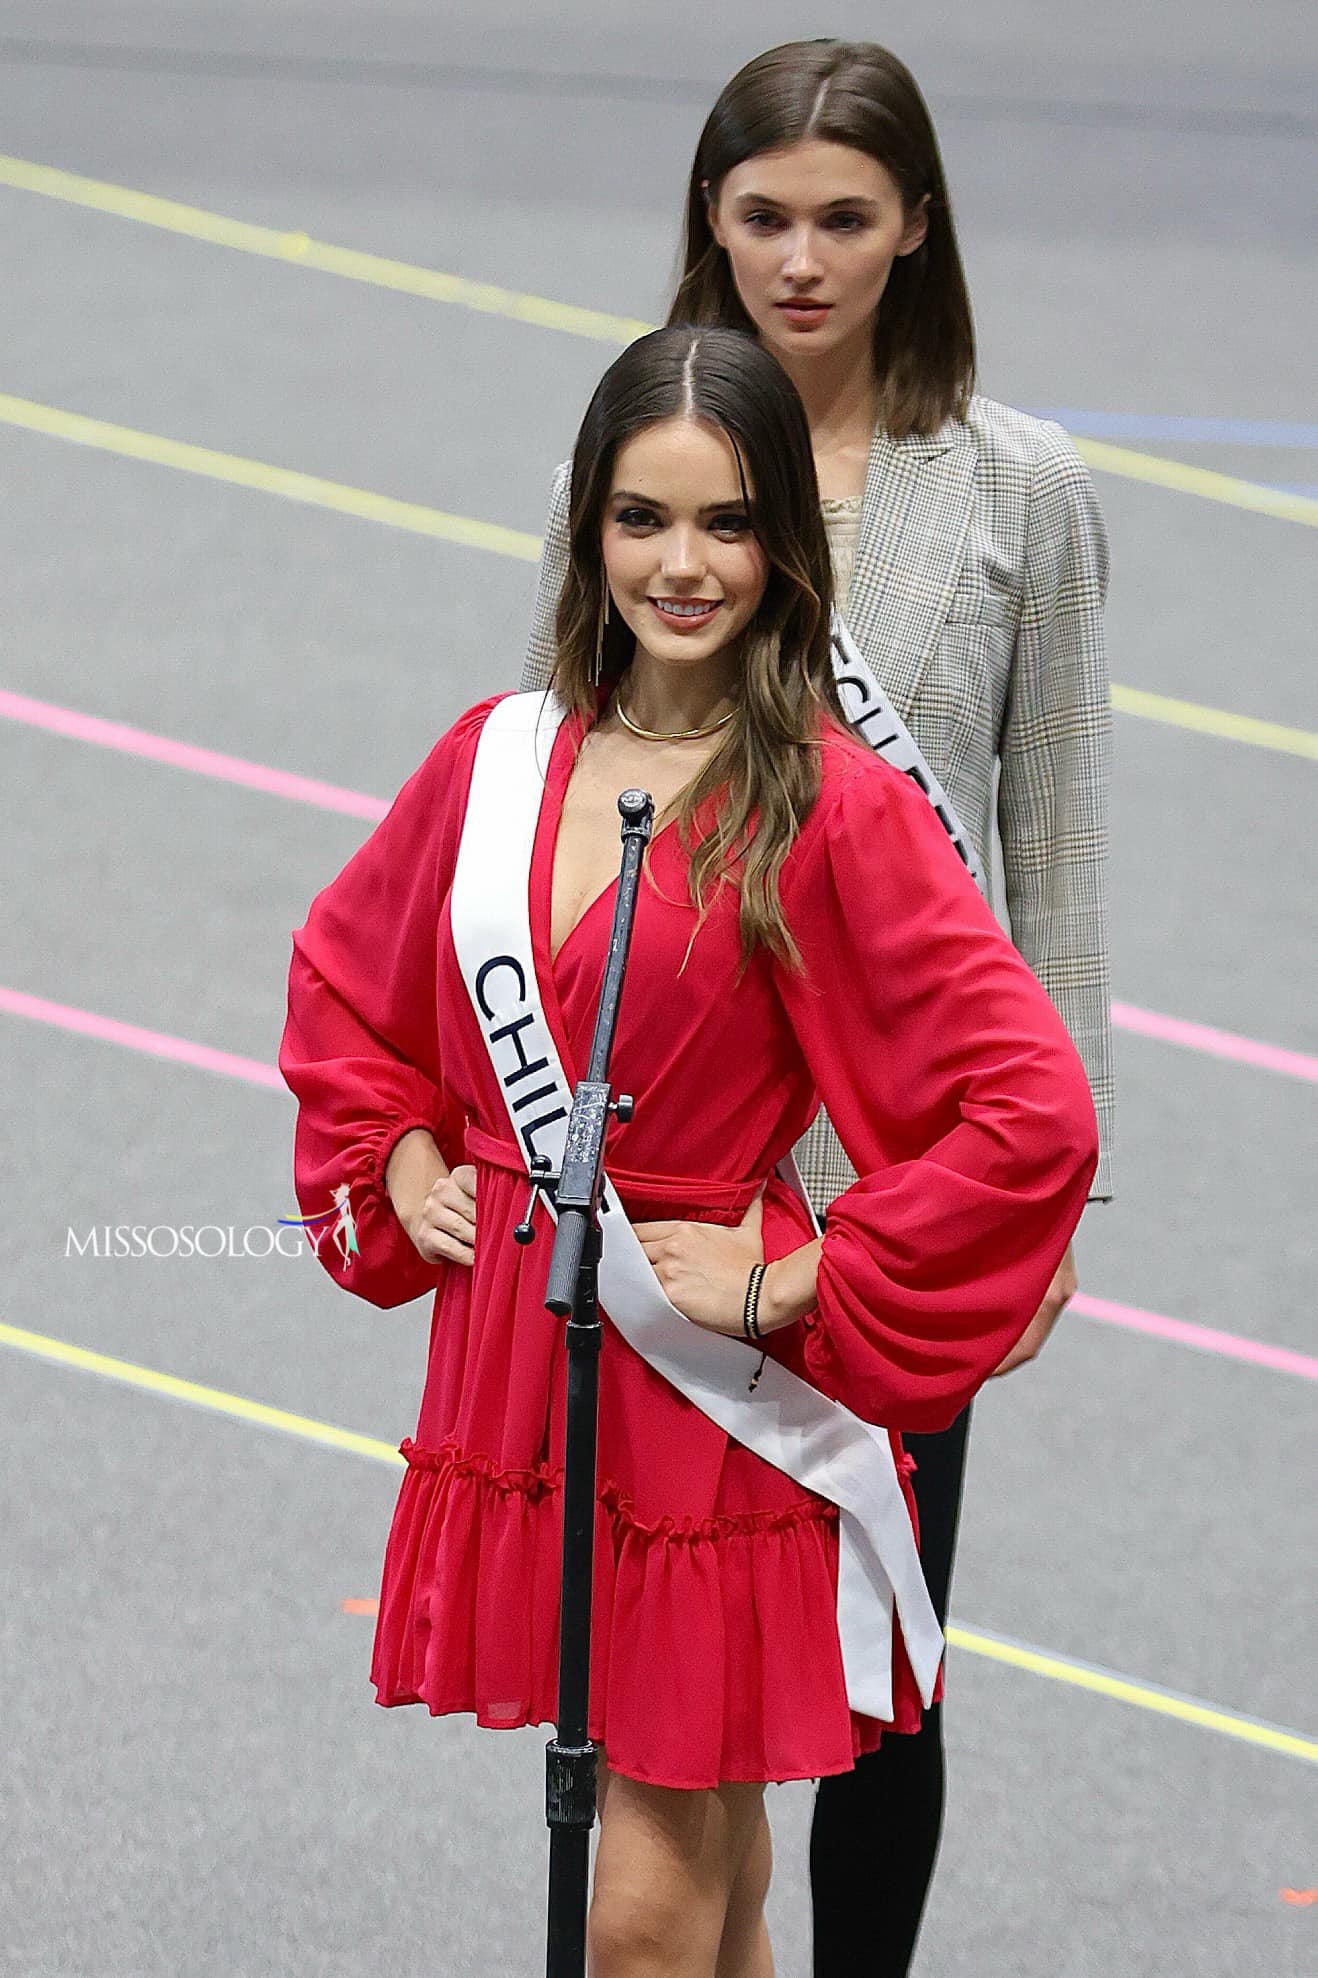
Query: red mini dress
column 961, row 1103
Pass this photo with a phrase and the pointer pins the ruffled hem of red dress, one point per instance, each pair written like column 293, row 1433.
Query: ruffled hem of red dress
column 715, row 1655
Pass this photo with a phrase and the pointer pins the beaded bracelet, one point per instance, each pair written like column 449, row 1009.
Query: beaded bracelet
column 750, row 1323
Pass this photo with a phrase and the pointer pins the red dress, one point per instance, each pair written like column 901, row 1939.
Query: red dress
column 959, row 1099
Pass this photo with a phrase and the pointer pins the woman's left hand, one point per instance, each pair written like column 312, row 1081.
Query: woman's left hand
column 704, row 1267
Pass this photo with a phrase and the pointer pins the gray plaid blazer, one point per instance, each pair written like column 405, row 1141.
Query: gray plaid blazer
column 977, row 598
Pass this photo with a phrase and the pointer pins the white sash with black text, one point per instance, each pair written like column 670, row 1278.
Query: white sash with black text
column 875, row 719
column 814, row 1440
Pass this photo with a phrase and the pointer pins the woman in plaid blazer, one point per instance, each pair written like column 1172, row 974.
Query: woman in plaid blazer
column 971, row 567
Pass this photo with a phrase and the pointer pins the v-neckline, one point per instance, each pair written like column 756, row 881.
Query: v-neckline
column 556, row 954
column 568, row 740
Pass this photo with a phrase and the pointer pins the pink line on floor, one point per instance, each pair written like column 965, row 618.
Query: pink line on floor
column 108, row 1030
column 1216, row 1043
column 1204, row 1339
column 156, row 1044
column 77, row 727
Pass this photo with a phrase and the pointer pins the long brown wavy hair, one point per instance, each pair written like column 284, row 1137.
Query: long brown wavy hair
column 739, row 817
column 858, row 94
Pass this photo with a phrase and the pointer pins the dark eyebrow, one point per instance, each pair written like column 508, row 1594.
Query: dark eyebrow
column 736, row 501
column 850, row 200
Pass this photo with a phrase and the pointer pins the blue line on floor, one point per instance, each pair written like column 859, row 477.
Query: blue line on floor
column 1171, row 426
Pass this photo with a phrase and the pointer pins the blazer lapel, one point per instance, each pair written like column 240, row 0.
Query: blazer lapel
column 913, row 528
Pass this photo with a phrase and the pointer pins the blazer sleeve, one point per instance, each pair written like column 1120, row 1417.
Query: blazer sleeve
column 957, row 1096
column 542, row 648
column 1055, row 751
column 361, row 1049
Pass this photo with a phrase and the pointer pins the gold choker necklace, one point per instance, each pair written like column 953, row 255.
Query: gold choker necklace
column 686, row 734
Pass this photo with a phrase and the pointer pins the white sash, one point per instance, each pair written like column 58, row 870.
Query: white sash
column 788, row 1423
column 874, row 717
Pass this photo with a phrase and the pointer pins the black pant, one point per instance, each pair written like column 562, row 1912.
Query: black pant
column 875, row 1833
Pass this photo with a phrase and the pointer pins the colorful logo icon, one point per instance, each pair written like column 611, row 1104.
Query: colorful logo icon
column 344, row 1233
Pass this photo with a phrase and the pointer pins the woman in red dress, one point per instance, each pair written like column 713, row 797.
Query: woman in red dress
column 806, row 933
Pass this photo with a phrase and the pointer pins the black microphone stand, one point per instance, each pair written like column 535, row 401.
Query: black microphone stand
column 572, row 1292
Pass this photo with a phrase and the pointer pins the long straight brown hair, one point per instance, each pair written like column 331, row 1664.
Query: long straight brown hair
column 858, row 94
column 739, row 817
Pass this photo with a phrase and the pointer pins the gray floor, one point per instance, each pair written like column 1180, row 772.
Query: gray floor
column 197, row 1780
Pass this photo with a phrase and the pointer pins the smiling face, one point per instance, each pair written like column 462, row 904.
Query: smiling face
column 684, row 568
column 811, row 232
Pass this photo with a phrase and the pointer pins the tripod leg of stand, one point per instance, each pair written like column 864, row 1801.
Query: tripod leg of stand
column 570, row 1759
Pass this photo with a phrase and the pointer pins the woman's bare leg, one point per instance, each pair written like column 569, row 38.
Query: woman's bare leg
column 665, row 1873
column 744, row 1951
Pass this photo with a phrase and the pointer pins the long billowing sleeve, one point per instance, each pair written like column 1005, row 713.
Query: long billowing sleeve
column 542, row 647
column 956, row 1094
column 1055, row 752
column 361, row 1050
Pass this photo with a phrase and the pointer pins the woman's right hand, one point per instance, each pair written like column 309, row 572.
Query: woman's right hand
column 436, row 1207
column 444, row 1227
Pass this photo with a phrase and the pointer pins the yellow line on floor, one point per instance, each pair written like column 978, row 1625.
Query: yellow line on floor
column 362, row 503
column 55, row 423
column 1106, row 1682
column 1017, row 1655
column 299, row 248
column 1202, row 481
column 1215, row 721
column 434, row 285
column 214, row 1398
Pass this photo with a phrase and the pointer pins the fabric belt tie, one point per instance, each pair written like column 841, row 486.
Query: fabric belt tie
column 724, row 1197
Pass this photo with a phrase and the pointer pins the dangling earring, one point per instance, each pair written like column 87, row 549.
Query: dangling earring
column 599, row 636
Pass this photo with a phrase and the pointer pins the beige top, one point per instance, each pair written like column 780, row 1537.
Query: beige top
column 842, row 527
